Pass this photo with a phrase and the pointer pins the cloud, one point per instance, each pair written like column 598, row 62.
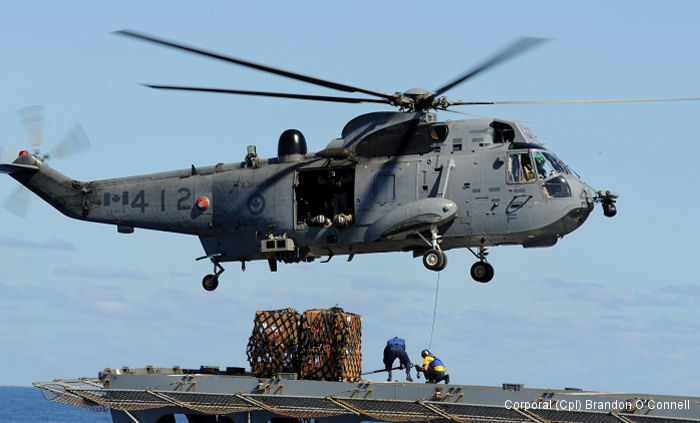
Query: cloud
column 580, row 338
column 100, row 272
column 383, row 285
column 689, row 293
column 180, row 275
column 15, row 296
column 113, row 306
column 562, row 284
column 669, row 296
column 52, row 244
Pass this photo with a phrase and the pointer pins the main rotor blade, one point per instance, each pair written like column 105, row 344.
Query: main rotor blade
column 271, row 94
column 511, row 51
column 484, row 116
column 297, row 76
column 75, row 141
column 32, row 119
column 618, row 100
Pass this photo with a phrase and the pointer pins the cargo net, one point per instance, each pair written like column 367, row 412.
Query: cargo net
column 207, row 403
column 480, row 413
column 637, row 418
column 60, row 392
column 298, row 407
column 318, row 345
column 330, row 345
column 272, row 347
column 575, row 416
column 89, row 395
column 391, row 410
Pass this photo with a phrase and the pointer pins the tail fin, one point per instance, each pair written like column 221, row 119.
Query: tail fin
column 61, row 192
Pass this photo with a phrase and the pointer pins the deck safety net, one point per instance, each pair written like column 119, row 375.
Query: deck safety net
column 89, row 395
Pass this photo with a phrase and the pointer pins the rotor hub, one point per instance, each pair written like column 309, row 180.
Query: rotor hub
column 417, row 100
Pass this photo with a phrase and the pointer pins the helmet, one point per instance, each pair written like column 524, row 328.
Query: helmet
column 424, row 353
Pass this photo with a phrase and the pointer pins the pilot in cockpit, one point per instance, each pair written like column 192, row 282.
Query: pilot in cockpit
column 540, row 162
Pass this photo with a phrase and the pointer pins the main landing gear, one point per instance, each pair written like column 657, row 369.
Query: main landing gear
column 481, row 271
column 210, row 282
column 434, row 259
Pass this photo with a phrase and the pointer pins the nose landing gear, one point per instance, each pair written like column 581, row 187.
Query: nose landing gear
column 481, row 271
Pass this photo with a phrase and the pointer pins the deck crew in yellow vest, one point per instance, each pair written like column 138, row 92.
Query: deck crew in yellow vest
column 433, row 368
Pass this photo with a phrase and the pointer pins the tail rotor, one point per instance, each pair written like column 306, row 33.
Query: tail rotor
column 75, row 141
column 18, row 202
column 32, row 119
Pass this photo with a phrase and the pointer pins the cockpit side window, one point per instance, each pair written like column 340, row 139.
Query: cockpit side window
column 520, row 168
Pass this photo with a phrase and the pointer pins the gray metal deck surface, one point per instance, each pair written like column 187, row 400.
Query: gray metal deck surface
column 154, row 395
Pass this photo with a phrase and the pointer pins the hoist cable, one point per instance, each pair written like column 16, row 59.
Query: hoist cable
column 432, row 329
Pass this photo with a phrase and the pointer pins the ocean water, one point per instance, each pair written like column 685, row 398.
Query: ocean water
column 28, row 405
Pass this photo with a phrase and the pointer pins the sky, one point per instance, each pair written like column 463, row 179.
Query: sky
column 613, row 306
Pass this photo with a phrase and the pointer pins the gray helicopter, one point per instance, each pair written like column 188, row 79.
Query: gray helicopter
column 393, row 181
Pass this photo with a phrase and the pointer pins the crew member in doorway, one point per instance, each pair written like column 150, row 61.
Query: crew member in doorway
column 396, row 348
column 433, row 368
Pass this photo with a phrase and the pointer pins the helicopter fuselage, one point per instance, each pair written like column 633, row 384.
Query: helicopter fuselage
column 390, row 182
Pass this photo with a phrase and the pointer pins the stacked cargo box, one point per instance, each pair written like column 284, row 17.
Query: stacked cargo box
column 320, row 345
column 272, row 347
column 330, row 345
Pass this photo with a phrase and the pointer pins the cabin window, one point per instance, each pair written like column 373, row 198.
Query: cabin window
column 520, row 168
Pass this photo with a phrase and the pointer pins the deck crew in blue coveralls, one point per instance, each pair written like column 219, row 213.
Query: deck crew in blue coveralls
column 433, row 368
column 396, row 348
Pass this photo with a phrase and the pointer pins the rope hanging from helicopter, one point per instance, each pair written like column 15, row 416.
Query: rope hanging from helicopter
column 432, row 328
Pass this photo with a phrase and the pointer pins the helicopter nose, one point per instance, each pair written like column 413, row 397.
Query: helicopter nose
column 581, row 206
column 574, row 219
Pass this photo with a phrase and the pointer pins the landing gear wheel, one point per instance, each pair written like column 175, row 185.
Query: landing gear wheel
column 434, row 260
column 210, row 282
column 444, row 261
column 481, row 272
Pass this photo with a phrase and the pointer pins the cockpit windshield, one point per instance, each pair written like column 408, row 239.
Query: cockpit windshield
column 549, row 164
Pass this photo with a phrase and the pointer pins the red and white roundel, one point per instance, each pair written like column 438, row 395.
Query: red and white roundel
column 202, row 203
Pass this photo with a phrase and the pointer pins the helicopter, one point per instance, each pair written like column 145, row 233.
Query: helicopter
column 393, row 181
